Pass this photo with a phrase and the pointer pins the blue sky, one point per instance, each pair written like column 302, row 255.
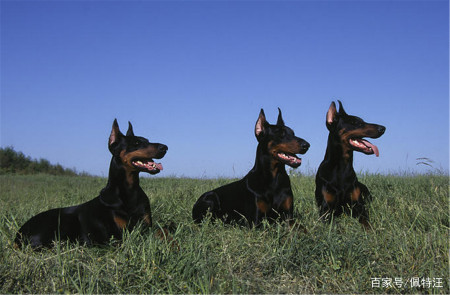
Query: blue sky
column 195, row 74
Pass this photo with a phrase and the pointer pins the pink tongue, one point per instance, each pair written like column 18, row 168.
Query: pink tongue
column 374, row 147
column 149, row 165
column 296, row 160
column 293, row 160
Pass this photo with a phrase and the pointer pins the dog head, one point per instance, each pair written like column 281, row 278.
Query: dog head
column 134, row 152
column 350, row 130
column 280, row 141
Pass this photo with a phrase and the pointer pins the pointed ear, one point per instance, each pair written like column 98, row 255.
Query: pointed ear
column 130, row 129
column 259, row 127
column 115, row 134
column 331, row 115
column 341, row 108
column 280, row 121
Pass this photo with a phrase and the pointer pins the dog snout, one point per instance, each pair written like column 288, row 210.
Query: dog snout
column 304, row 146
column 161, row 150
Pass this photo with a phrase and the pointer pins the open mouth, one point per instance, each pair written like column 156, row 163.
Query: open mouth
column 147, row 165
column 364, row 146
column 289, row 159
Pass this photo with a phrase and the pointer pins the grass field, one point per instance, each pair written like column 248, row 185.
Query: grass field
column 407, row 252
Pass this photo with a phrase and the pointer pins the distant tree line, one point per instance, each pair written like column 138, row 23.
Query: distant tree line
column 12, row 161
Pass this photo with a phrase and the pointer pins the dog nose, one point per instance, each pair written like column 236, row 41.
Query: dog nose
column 304, row 145
column 381, row 129
column 162, row 148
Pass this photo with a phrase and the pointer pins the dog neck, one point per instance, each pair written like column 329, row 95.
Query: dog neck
column 122, row 178
column 338, row 161
column 266, row 168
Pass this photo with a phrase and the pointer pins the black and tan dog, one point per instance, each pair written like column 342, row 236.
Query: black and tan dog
column 337, row 187
column 265, row 192
column 121, row 204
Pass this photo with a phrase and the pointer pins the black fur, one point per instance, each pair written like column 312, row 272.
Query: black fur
column 121, row 204
column 337, row 187
column 265, row 192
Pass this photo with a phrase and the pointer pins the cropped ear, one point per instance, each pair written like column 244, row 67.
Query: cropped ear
column 280, row 121
column 260, row 124
column 115, row 135
column 341, row 108
column 130, row 129
column 331, row 115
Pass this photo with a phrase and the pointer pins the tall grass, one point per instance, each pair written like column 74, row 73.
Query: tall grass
column 410, row 216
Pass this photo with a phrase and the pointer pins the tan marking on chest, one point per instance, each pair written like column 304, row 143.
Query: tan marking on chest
column 328, row 197
column 263, row 206
column 287, row 204
column 147, row 219
column 355, row 195
column 120, row 222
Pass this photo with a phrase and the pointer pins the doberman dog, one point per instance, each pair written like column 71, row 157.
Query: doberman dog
column 122, row 204
column 265, row 192
column 337, row 187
